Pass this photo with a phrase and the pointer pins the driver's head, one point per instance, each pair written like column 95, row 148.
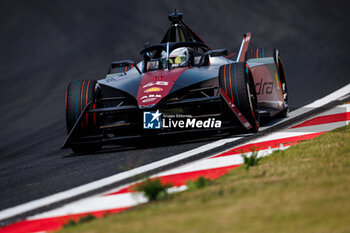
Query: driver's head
column 179, row 57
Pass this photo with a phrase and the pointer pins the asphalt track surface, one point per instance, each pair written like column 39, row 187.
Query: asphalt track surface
column 45, row 44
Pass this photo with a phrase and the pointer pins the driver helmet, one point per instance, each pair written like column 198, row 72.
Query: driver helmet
column 179, row 57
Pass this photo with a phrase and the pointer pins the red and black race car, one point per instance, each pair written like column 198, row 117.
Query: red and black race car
column 181, row 85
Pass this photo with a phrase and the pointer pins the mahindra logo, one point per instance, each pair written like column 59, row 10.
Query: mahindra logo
column 263, row 87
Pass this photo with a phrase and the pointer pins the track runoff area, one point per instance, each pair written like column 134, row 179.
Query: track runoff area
column 305, row 123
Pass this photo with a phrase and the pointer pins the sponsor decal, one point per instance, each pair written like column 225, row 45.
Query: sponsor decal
column 264, row 87
column 108, row 80
column 159, row 83
column 116, row 77
column 148, row 100
column 160, row 79
column 154, row 89
column 153, row 120
column 278, row 85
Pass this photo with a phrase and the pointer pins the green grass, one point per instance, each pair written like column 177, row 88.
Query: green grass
column 153, row 189
column 252, row 160
column 305, row 188
column 201, row 182
column 72, row 223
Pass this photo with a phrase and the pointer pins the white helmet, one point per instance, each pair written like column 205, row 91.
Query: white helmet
column 179, row 57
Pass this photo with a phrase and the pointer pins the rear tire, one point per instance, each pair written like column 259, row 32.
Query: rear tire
column 236, row 81
column 79, row 94
column 254, row 52
column 282, row 78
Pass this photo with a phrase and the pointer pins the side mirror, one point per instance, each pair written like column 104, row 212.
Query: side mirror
column 213, row 53
column 216, row 52
column 119, row 65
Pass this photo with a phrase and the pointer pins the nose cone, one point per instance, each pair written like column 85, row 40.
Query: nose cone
column 155, row 85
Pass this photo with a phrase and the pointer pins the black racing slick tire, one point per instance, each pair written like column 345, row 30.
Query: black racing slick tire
column 236, row 81
column 79, row 94
column 283, row 83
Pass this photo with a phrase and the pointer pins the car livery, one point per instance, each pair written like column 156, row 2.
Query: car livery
column 211, row 91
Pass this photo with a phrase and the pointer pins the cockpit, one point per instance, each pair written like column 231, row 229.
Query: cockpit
column 172, row 55
column 180, row 47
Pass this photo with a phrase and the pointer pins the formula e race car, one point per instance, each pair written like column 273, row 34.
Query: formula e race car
column 181, row 85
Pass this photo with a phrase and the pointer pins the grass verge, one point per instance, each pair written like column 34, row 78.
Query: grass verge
column 305, row 188
column 153, row 189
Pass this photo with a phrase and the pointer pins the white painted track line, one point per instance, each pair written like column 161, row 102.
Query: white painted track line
column 316, row 104
column 96, row 203
column 108, row 180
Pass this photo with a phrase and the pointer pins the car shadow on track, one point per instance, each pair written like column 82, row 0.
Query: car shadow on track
column 155, row 142
column 172, row 140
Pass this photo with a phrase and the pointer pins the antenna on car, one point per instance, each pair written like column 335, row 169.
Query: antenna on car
column 175, row 17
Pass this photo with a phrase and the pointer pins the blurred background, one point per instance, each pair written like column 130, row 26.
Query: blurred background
column 45, row 44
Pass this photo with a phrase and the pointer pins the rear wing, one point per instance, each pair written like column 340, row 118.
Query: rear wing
column 244, row 47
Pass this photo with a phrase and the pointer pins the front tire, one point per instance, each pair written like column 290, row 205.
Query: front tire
column 79, row 94
column 236, row 81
